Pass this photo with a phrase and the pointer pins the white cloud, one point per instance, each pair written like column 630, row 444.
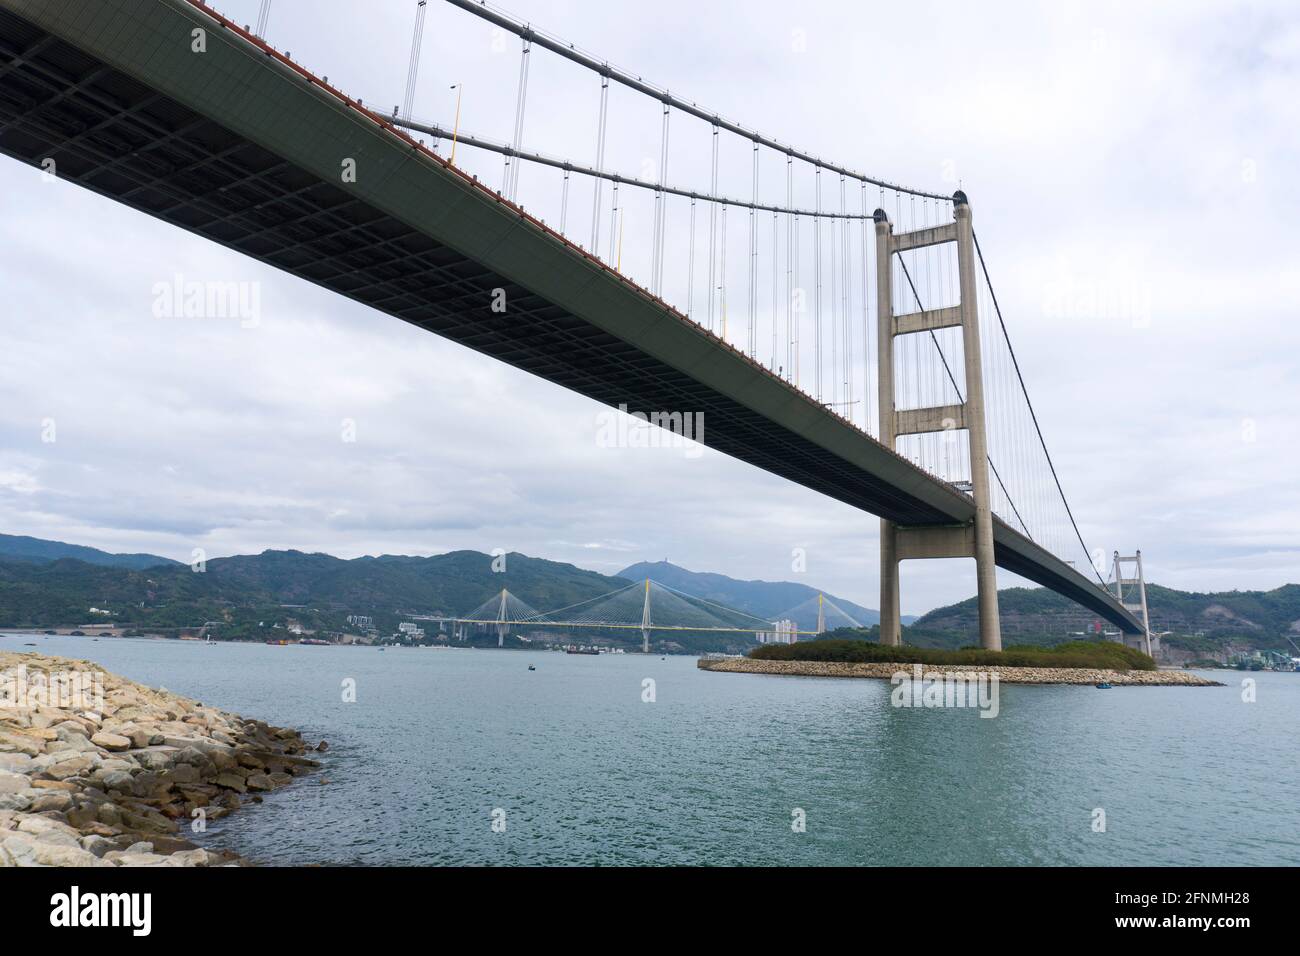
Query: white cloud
column 1124, row 157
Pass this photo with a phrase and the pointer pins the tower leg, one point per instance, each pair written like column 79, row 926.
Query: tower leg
column 986, row 579
column 985, row 568
column 890, row 622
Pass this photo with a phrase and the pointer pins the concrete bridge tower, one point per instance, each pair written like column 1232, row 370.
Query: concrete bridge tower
column 974, row 539
column 1138, row 604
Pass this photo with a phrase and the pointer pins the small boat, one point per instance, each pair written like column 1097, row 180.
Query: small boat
column 29, row 645
column 1103, row 685
column 532, row 667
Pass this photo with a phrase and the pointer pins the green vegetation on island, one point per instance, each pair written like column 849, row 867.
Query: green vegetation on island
column 839, row 647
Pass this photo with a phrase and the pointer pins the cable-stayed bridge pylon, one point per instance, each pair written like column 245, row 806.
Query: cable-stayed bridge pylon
column 646, row 605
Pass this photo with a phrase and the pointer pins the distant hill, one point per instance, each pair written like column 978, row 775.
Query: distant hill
column 319, row 587
column 249, row 596
column 1196, row 622
column 766, row 599
column 22, row 548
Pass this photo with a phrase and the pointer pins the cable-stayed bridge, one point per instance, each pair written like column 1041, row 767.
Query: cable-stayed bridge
column 647, row 606
column 833, row 328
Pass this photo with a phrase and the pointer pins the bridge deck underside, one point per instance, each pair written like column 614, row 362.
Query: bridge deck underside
column 116, row 137
column 130, row 142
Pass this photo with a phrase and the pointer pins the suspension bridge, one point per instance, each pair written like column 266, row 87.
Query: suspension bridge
column 833, row 328
column 646, row 606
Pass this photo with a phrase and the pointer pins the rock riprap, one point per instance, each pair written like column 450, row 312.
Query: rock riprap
column 123, row 781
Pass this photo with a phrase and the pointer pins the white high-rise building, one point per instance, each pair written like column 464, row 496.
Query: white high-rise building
column 787, row 632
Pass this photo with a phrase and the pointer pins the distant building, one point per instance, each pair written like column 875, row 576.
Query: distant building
column 412, row 632
column 787, row 632
column 362, row 621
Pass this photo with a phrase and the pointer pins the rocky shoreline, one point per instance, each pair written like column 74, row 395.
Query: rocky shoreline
column 1006, row 675
column 118, row 773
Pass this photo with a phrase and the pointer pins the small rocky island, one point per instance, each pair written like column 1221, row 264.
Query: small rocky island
column 1006, row 675
column 125, row 784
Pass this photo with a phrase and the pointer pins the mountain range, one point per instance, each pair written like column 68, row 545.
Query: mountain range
column 766, row 599
column 1196, row 623
column 23, row 548
column 45, row 583
column 48, row 583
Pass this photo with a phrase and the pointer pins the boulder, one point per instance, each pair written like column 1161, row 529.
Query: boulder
column 259, row 781
column 147, row 820
column 56, row 800
column 58, row 838
column 14, row 782
column 14, row 801
column 232, row 781
column 37, row 825
column 14, row 762
column 190, row 755
column 63, row 769
column 22, row 743
column 49, row 854
column 16, row 850
column 195, row 857
column 183, row 773
column 83, row 816
column 137, row 859
column 97, row 845
column 69, row 729
column 112, row 742
column 145, row 737
column 153, row 759
column 118, row 780
column 108, row 814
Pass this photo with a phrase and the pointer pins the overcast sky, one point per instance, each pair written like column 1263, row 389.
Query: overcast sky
column 1132, row 171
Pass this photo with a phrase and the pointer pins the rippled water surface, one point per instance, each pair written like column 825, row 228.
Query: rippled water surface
column 710, row 772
